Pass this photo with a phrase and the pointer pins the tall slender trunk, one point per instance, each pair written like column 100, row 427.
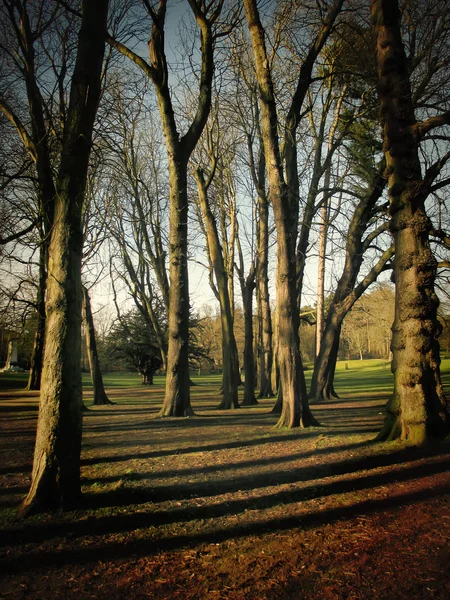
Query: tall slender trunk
column 230, row 376
column 263, row 301
column 284, row 193
column 249, row 357
column 37, row 357
column 320, row 305
column 100, row 397
column 417, row 408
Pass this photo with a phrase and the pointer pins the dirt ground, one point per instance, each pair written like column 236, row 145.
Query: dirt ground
column 224, row 506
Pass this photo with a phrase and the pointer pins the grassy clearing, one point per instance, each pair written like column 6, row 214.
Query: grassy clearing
column 225, row 507
column 353, row 377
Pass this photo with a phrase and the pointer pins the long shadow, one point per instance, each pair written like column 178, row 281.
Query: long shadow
column 19, row 408
column 260, row 462
column 262, row 480
column 149, row 518
column 200, row 448
column 120, row 550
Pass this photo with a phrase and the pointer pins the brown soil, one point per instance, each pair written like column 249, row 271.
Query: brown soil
column 223, row 506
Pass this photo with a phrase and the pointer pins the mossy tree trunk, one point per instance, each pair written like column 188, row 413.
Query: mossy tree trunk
column 56, row 466
column 417, row 408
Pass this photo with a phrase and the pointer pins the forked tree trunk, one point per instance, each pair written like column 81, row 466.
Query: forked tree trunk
column 56, row 466
column 179, row 149
column 322, row 386
column 247, row 286
column 417, row 408
column 100, row 397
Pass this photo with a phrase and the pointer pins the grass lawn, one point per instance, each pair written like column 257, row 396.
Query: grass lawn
column 352, row 377
column 223, row 506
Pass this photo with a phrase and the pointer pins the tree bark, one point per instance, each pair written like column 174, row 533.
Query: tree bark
column 56, row 466
column 230, row 377
column 417, row 408
column 100, row 397
column 177, row 402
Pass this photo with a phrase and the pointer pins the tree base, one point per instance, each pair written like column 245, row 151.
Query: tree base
column 250, row 402
column 174, row 413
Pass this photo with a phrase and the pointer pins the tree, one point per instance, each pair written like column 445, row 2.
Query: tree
column 56, row 466
column 283, row 181
column 132, row 340
column 217, row 261
column 358, row 242
column 417, row 408
column 179, row 149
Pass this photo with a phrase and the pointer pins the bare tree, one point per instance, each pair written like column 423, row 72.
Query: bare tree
column 56, row 466
column 179, row 149
column 283, row 180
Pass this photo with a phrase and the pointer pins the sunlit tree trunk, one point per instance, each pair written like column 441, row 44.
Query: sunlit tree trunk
column 417, row 408
column 56, row 465
column 282, row 174
column 177, row 401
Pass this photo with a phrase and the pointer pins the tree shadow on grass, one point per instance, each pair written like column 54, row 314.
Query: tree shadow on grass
column 146, row 516
column 246, row 464
column 145, row 547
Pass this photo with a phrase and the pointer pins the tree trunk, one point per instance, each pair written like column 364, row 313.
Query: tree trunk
column 177, row 401
column 249, row 357
column 230, row 377
column 320, row 311
column 56, row 467
column 263, row 300
column 417, row 408
column 100, row 397
column 247, row 286
column 295, row 411
column 37, row 357
column 322, row 381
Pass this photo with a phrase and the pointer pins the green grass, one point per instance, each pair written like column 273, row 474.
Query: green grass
column 352, row 377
